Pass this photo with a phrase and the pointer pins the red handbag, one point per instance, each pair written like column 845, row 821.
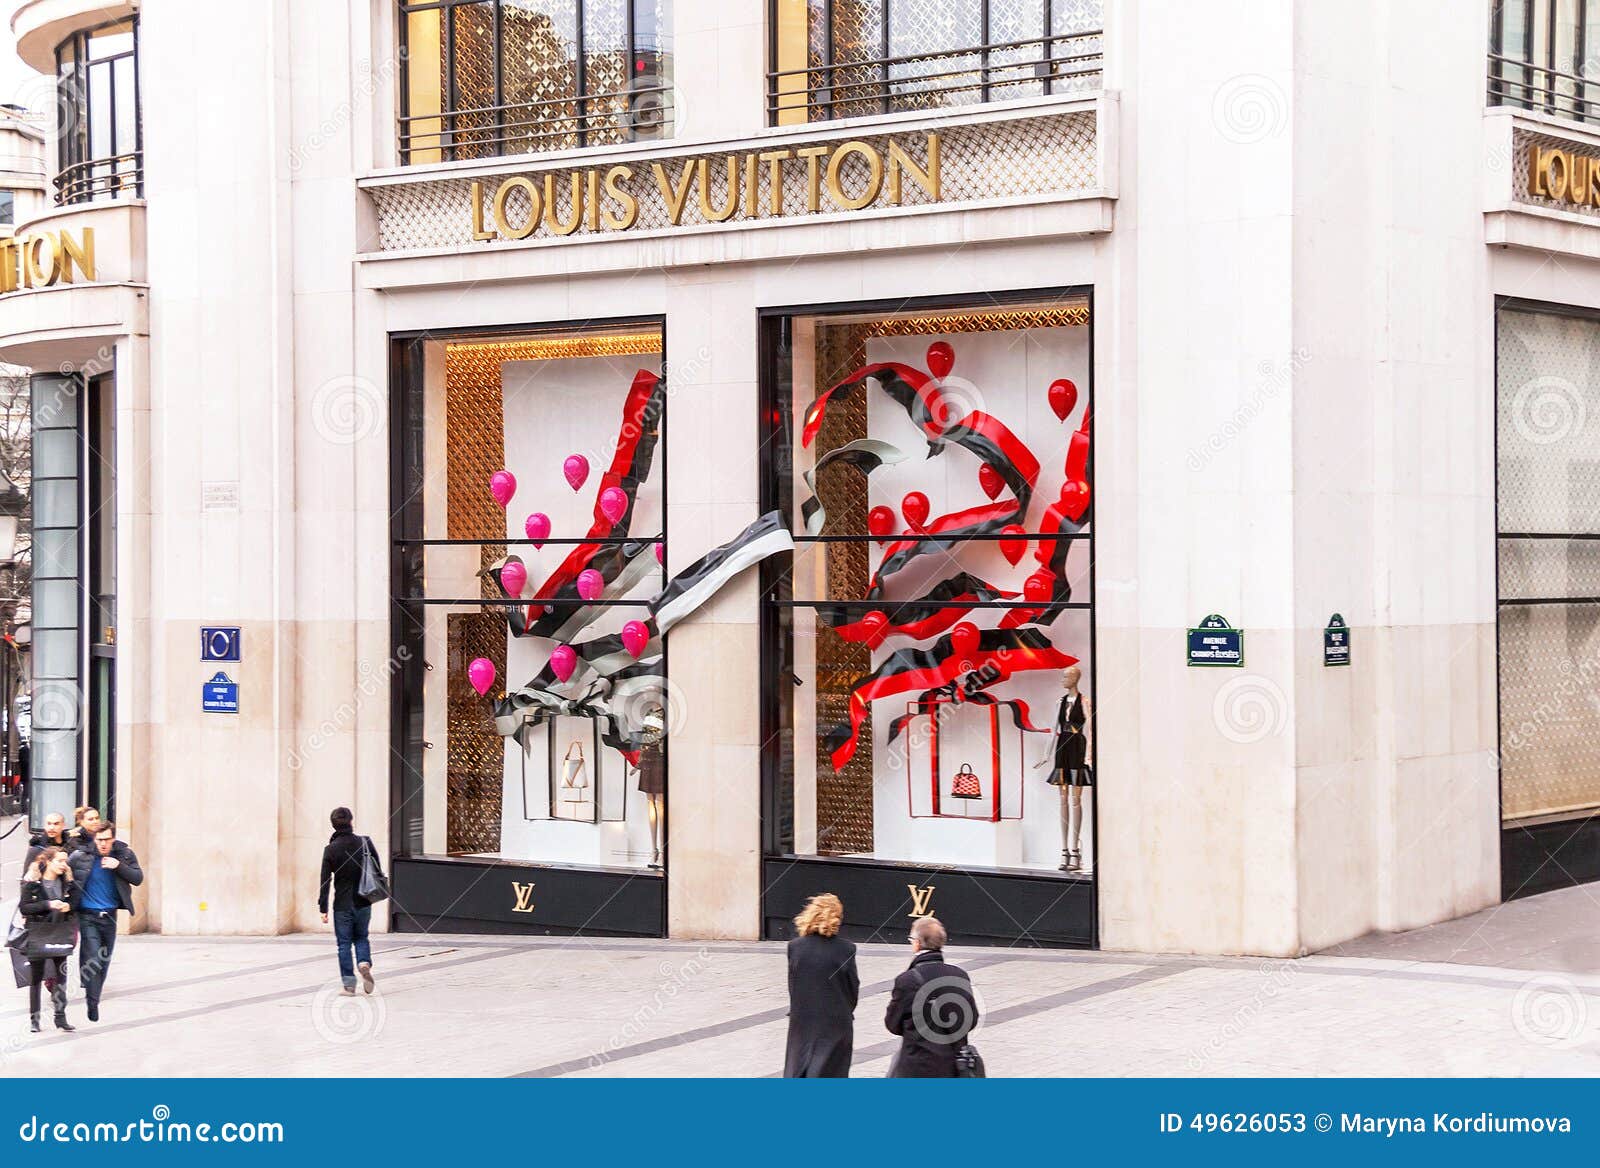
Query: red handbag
column 965, row 785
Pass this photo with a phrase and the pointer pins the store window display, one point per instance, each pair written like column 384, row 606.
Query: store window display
column 936, row 622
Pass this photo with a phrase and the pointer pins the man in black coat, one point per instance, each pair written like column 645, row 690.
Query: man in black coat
column 54, row 835
column 932, row 1008
column 352, row 913
column 107, row 871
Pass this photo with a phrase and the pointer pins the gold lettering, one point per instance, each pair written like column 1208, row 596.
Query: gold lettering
column 501, row 222
column 775, row 160
column 1577, row 178
column 552, row 219
column 34, row 272
column 1536, row 171
column 874, row 176
column 615, row 178
column 928, row 179
column 752, row 186
column 731, row 196
column 921, row 900
column 1594, row 182
column 811, row 154
column 591, row 199
column 477, row 213
column 674, row 196
column 524, row 895
column 81, row 254
column 1556, row 186
column 8, row 266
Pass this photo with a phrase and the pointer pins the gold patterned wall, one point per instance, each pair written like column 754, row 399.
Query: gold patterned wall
column 476, row 754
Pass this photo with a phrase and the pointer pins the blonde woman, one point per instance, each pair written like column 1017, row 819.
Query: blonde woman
column 823, row 990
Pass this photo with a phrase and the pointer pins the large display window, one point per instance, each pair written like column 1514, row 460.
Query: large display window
column 530, row 543
column 935, row 626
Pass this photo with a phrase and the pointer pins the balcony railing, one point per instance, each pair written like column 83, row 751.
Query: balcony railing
column 119, row 177
column 1531, row 86
column 1041, row 66
column 640, row 113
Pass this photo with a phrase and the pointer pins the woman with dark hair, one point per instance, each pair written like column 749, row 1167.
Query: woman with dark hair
column 823, row 990
column 49, row 905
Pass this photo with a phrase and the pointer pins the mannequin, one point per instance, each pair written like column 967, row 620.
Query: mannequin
column 652, row 773
column 1071, row 747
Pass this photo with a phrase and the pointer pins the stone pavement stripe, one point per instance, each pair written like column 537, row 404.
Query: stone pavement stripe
column 715, row 1030
column 1511, row 981
column 1038, row 1005
column 279, row 996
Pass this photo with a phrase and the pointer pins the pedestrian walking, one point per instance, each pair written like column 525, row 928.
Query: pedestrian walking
column 932, row 1008
column 343, row 861
column 823, row 990
column 86, row 821
column 49, row 901
column 54, row 835
column 106, row 875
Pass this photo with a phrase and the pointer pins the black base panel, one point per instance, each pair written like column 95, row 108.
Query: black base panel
column 495, row 897
column 979, row 908
column 1547, row 856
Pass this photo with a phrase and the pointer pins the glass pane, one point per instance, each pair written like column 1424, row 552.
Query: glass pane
column 1549, row 721
column 420, row 135
column 126, row 139
column 651, row 78
column 8, row 208
column 55, row 654
column 100, row 83
column 55, row 453
column 857, row 36
column 930, row 510
column 928, row 31
column 55, row 604
column 55, row 502
column 55, row 552
column 607, row 69
column 111, row 40
column 50, row 798
column 539, row 39
column 473, row 128
column 57, row 705
column 55, row 402
column 501, row 771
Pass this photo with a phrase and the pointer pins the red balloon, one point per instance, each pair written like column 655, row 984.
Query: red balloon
column 1075, row 500
column 964, row 639
column 1063, row 396
column 941, row 359
column 1014, row 548
column 1038, row 587
column 876, row 626
column 880, row 522
column 991, row 482
column 915, row 508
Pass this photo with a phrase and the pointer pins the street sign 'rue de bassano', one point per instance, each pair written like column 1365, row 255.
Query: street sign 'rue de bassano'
column 1336, row 642
column 1215, row 643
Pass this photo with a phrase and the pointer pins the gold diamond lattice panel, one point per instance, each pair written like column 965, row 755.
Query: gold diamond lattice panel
column 1053, row 154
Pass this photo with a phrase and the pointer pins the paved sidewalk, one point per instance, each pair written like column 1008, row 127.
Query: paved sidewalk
column 1514, row 991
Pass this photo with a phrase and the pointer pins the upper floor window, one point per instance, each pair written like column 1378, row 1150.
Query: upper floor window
column 851, row 58
column 100, row 150
column 8, row 208
column 489, row 77
column 1544, row 55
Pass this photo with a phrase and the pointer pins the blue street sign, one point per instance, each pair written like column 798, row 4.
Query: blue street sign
column 220, row 695
column 1216, row 642
column 220, row 643
column 1336, row 642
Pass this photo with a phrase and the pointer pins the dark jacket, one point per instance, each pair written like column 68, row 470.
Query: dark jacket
column 38, row 842
column 124, row 877
column 341, row 864
column 49, row 930
column 823, row 990
column 932, row 1009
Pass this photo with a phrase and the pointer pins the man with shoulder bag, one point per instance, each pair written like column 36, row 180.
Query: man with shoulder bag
column 933, row 1010
column 350, row 866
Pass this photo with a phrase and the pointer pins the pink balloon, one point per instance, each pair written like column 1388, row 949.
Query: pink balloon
column 563, row 661
column 591, row 584
column 512, row 578
column 481, row 674
column 538, row 528
column 635, row 636
column 661, row 554
column 502, row 485
column 613, row 503
column 576, row 468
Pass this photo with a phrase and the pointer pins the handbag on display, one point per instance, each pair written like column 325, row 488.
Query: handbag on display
column 574, row 776
column 965, row 785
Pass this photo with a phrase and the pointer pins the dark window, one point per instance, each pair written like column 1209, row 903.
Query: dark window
column 100, row 152
column 851, row 58
column 1542, row 56
column 491, row 77
column 8, row 207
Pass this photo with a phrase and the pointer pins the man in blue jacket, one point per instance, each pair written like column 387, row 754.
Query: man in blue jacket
column 107, row 872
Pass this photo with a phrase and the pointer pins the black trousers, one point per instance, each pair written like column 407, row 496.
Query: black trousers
column 97, row 937
column 54, row 968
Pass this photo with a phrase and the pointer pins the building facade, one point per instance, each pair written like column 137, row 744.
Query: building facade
column 657, row 460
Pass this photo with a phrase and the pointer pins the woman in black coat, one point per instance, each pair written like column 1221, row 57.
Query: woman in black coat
column 49, row 906
column 823, row 990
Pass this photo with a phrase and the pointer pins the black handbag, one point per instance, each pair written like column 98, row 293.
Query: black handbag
column 16, row 932
column 373, row 885
column 19, row 967
column 969, row 1063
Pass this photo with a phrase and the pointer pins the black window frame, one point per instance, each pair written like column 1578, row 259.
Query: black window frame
column 1529, row 74
column 82, row 176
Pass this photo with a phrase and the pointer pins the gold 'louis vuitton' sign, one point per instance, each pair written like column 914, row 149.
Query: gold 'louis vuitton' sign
column 1564, row 175
column 40, row 259
column 854, row 174
column 921, row 900
column 524, row 895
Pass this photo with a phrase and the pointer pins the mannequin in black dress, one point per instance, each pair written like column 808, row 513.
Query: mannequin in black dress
column 1070, row 750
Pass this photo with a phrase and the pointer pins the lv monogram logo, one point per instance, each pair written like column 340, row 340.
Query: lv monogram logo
column 524, row 896
column 921, row 901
